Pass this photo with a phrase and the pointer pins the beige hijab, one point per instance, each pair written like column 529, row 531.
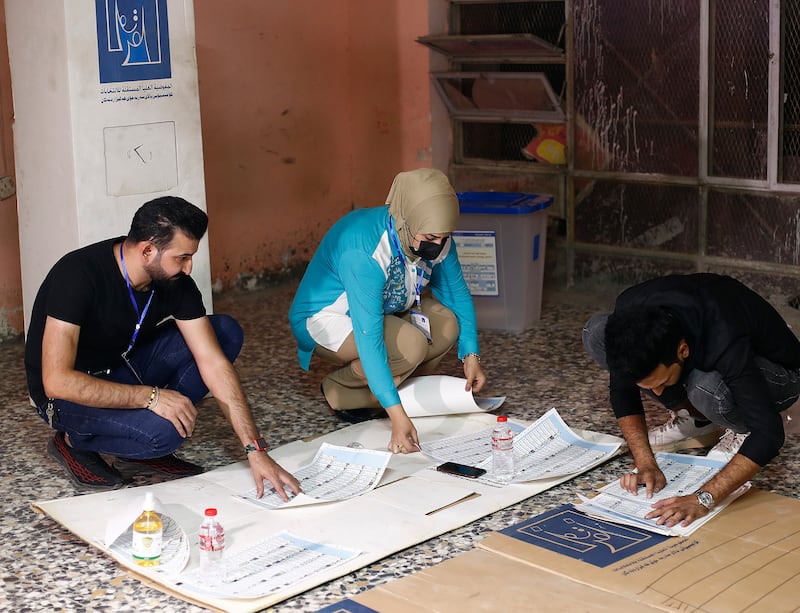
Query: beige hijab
column 422, row 201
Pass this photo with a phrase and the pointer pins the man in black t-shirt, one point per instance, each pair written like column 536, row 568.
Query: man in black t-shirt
column 707, row 346
column 119, row 349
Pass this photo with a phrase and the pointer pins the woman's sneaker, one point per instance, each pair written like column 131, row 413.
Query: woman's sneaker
column 681, row 432
column 728, row 446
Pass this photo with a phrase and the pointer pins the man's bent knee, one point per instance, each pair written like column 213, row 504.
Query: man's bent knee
column 229, row 334
column 594, row 339
column 163, row 442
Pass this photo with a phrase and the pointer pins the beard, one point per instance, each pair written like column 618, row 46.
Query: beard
column 158, row 275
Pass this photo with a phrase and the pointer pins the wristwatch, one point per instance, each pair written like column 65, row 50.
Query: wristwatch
column 258, row 444
column 705, row 499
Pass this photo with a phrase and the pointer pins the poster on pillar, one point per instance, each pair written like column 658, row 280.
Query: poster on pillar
column 133, row 40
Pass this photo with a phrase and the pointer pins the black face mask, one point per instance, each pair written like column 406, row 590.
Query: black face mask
column 428, row 250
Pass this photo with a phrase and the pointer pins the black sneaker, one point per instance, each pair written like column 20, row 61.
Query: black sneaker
column 85, row 468
column 356, row 416
column 170, row 465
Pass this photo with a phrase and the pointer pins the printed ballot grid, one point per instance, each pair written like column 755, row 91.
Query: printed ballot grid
column 268, row 566
column 544, row 452
column 685, row 474
column 335, row 474
column 547, row 448
column 470, row 449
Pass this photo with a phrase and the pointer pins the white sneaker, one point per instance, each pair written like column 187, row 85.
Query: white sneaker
column 680, row 432
column 728, row 446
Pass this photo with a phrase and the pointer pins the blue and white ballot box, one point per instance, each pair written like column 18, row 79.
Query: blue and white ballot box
column 501, row 239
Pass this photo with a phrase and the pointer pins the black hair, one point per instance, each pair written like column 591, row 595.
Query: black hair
column 638, row 339
column 157, row 220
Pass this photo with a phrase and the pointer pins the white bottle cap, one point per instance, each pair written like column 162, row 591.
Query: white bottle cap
column 148, row 502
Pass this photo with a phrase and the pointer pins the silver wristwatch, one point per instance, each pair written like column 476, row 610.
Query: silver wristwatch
column 705, row 499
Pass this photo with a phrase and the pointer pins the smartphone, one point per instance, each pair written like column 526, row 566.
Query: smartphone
column 462, row 470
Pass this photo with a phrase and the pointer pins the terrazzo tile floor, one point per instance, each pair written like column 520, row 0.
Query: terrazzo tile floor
column 44, row 567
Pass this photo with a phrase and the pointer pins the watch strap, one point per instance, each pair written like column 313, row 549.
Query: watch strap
column 258, row 444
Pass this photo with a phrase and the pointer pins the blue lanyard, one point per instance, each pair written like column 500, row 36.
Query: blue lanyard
column 141, row 315
column 395, row 240
column 420, row 273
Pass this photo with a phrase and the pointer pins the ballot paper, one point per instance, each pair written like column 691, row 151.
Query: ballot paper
column 442, row 395
column 546, row 449
column 267, row 567
column 685, row 474
column 335, row 473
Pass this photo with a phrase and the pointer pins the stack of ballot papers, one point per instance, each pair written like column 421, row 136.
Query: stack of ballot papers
column 685, row 475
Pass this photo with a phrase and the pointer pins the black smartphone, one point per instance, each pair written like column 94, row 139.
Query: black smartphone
column 462, row 470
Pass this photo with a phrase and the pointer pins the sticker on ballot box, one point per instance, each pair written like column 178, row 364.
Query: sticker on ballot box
column 477, row 252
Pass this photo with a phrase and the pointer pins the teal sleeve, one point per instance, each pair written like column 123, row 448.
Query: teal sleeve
column 449, row 288
column 363, row 281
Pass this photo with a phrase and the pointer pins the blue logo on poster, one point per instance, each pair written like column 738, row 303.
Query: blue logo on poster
column 573, row 534
column 132, row 40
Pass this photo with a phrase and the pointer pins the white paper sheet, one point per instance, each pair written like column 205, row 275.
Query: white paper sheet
column 418, row 495
column 549, row 448
column 470, row 449
column 685, row 474
column 268, row 567
column 546, row 449
column 442, row 395
column 371, row 524
column 336, row 473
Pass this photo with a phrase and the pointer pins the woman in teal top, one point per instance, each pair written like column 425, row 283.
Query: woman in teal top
column 363, row 301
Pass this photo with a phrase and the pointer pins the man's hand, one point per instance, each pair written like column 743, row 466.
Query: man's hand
column 686, row 509
column 671, row 511
column 647, row 473
column 474, row 374
column 177, row 409
column 404, row 434
column 266, row 469
column 650, row 477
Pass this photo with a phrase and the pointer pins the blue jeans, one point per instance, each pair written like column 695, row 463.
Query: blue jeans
column 706, row 391
column 165, row 362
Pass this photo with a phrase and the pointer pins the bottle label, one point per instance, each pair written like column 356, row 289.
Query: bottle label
column 146, row 546
column 503, row 441
column 212, row 539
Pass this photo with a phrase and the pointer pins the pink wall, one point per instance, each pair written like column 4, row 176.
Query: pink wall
column 309, row 108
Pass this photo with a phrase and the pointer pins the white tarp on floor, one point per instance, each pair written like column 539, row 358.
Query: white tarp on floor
column 412, row 504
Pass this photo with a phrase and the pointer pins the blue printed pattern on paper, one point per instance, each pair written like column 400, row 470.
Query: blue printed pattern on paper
column 568, row 532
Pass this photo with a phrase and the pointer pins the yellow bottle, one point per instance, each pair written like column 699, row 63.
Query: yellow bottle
column 147, row 535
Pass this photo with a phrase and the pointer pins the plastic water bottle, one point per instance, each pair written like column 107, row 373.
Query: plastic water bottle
column 212, row 544
column 502, row 450
column 147, row 535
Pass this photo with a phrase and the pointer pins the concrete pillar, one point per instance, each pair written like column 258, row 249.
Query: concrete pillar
column 106, row 117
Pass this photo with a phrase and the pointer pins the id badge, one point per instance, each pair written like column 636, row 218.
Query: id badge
column 422, row 323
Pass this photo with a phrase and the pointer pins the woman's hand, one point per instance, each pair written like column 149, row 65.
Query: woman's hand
column 473, row 373
column 404, row 434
